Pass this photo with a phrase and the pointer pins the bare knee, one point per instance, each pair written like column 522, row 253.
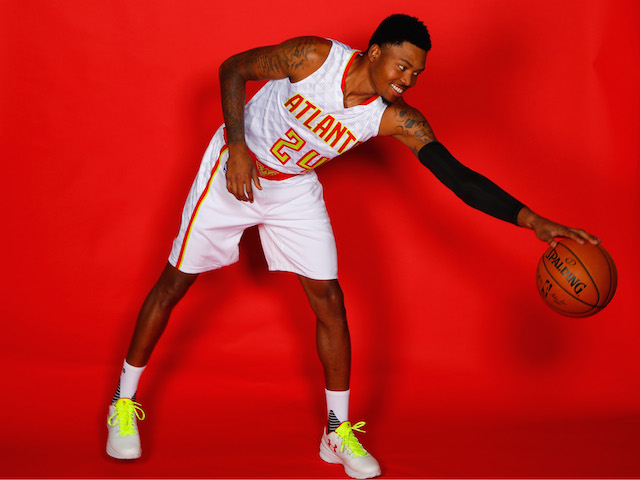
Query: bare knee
column 171, row 287
column 165, row 297
column 326, row 300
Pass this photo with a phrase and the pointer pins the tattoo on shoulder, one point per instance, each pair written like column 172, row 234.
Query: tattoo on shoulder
column 295, row 53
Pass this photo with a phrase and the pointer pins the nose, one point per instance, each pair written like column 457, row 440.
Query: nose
column 408, row 79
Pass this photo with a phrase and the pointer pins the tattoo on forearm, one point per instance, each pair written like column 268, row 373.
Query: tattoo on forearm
column 233, row 107
column 233, row 96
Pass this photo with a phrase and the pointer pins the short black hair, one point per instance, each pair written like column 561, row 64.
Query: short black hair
column 399, row 28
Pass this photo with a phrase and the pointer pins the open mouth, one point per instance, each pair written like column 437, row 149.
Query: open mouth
column 398, row 89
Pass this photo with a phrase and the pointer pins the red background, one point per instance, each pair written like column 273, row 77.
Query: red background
column 459, row 368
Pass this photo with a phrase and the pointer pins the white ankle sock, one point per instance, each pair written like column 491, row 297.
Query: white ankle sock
column 338, row 403
column 129, row 379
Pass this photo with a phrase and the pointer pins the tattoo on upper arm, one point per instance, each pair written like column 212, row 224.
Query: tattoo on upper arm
column 283, row 60
column 266, row 62
column 412, row 123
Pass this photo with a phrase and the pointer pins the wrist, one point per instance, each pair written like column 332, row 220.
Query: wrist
column 528, row 218
column 237, row 146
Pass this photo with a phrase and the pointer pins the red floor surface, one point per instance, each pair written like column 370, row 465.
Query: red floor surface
column 459, row 369
column 250, row 431
column 218, row 408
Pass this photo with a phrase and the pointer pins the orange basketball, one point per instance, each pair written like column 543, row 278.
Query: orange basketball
column 576, row 280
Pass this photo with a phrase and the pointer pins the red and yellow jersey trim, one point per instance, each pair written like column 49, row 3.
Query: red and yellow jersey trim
column 344, row 77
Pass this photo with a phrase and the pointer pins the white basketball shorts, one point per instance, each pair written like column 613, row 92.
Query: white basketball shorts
column 294, row 226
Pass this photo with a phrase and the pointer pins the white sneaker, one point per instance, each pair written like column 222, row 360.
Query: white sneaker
column 124, row 440
column 342, row 447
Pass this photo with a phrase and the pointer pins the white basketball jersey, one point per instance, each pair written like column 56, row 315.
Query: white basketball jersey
column 295, row 127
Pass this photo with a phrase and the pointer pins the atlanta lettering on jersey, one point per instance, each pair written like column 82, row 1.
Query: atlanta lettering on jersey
column 327, row 128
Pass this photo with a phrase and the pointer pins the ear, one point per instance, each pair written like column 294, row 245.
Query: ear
column 374, row 52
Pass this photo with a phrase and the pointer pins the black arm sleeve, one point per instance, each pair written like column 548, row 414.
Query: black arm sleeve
column 473, row 189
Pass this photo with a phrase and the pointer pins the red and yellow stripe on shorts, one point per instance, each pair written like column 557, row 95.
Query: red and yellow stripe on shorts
column 203, row 195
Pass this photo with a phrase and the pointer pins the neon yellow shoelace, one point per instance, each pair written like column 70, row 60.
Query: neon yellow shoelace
column 345, row 431
column 125, row 410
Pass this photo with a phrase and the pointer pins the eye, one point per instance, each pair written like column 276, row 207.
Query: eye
column 402, row 68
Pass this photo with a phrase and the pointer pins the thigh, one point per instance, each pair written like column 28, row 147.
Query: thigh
column 297, row 235
column 213, row 220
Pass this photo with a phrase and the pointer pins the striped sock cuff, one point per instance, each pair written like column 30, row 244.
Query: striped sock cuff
column 333, row 422
column 116, row 396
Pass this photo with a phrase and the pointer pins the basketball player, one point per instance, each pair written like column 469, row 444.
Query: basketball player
column 322, row 98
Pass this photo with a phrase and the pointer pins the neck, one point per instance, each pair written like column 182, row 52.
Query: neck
column 358, row 86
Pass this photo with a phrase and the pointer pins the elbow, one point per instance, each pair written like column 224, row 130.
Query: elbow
column 231, row 67
column 225, row 68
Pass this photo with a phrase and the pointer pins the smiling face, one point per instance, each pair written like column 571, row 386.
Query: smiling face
column 394, row 68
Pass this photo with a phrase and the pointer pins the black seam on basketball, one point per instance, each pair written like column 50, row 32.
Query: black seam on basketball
column 562, row 287
column 568, row 312
column 593, row 282
column 612, row 268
